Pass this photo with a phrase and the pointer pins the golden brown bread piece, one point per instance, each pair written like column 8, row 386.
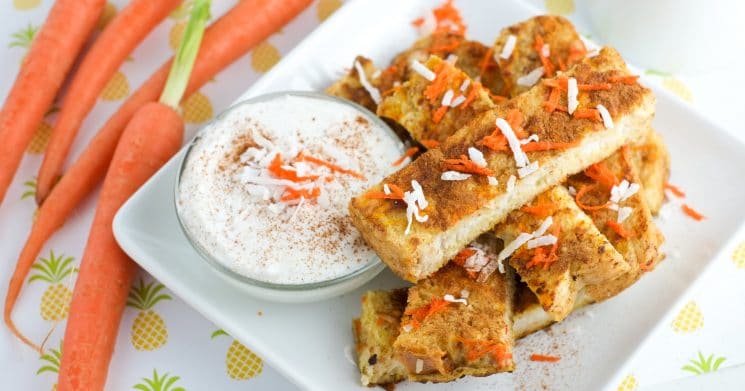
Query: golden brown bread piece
column 584, row 256
column 474, row 58
column 637, row 238
column 651, row 160
column 459, row 211
column 349, row 86
column 448, row 340
column 374, row 332
column 564, row 45
column 409, row 107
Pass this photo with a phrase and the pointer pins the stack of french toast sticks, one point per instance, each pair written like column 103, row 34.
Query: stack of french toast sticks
column 533, row 179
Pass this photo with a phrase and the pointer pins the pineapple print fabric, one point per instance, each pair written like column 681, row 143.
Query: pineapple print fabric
column 164, row 345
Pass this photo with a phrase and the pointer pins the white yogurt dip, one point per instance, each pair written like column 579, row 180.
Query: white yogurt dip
column 264, row 190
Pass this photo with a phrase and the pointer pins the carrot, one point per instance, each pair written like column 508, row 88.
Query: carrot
column 408, row 154
column 541, row 210
column 624, row 79
column 396, row 193
column 677, row 191
column 430, row 143
column 42, row 73
column 475, row 349
column 581, row 192
column 591, row 114
column 106, row 55
column 602, row 174
column 439, row 114
column 461, row 258
column 544, row 358
column 619, row 229
column 466, row 165
column 106, row 272
column 553, row 100
column 247, row 24
column 333, row 167
column 692, row 213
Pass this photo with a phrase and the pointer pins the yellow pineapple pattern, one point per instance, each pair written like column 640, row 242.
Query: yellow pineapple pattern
column 30, row 192
column 628, row 383
column 559, row 7
column 117, row 88
column 23, row 5
column 41, row 137
column 175, row 35
column 109, row 12
column 678, row 88
column 51, row 362
column 159, row 383
column 264, row 56
column 197, row 108
column 738, row 257
column 148, row 331
column 240, row 362
column 689, row 319
column 327, row 7
column 55, row 302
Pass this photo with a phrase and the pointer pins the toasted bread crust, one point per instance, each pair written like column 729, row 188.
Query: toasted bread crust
column 349, row 86
column 440, row 339
column 461, row 210
column 651, row 160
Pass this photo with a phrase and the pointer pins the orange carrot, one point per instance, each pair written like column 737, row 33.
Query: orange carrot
column 395, row 194
column 275, row 168
column 543, row 357
column 577, row 51
column 548, row 66
column 485, row 61
column 581, row 192
column 496, row 98
column 247, row 24
column 475, row 87
column 675, row 190
column 624, row 79
column 553, row 100
column 152, row 137
column 692, row 213
column 540, row 210
column 591, row 114
column 226, row 40
column 601, row 174
column 100, row 63
column 409, row 153
column 461, row 258
column 475, row 349
column 438, row 85
column 429, row 143
column 619, row 229
column 333, row 167
column 466, row 165
column 439, row 113
column 42, row 73
column 294, row 194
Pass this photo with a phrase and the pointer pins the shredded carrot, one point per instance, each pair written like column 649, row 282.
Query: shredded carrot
column 591, row 114
column 495, row 142
column 396, row 193
column 563, row 82
column 547, row 146
column 475, row 87
column 553, row 100
column 436, row 305
column 581, row 192
column 562, row 64
column 624, row 79
column 447, row 47
column 601, row 174
column 449, row 19
column 475, row 349
column 692, row 213
column 544, row 358
column 675, row 189
column 618, row 228
column 484, row 63
column 515, row 119
column 548, row 67
column 577, row 52
column 465, row 165
column 439, row 84
column 497, row 98
column 540, row 258
column 391, row 90
column 439, row 113
column 302, row 157
column 463, row 255
column 275, row 168
column 391, row 69
column 430, row 143
column 409, row 153
column 294, row 194
column 541, row 210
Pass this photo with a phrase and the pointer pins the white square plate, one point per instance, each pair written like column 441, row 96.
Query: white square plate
column 307, row 342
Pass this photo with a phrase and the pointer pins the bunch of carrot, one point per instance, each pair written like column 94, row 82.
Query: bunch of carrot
column 139, row 138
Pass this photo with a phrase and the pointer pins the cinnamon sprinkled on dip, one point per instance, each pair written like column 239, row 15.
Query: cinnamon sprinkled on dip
column 264, row 190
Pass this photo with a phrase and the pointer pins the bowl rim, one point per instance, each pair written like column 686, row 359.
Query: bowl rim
column 221, row 267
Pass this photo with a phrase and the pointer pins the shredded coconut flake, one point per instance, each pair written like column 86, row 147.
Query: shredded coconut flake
column 454, row 176
column 419, row 68
column 451, row 59
column 531, row 78
column 451, row 299
column 465, row 293
column 572, row 92
column 415, row 202
column 511, row 247
column 386, row 189
column 419, row 365
column 545, row 240
column 545, row 225
column 465, row 84
column 521, row 159
column 532, row 137
column 623, row 191
column 374, row 92
column 605, row 115
column 545, row 50
column 509, row 47
column 623, row 214
column 447, row 98
column 349, row 354
column 492, row 180
column 572, row 191
column 476, row 156
column 458, row 101
column 407, row 328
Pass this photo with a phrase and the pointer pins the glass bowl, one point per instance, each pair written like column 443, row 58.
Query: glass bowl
column 287, row 293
